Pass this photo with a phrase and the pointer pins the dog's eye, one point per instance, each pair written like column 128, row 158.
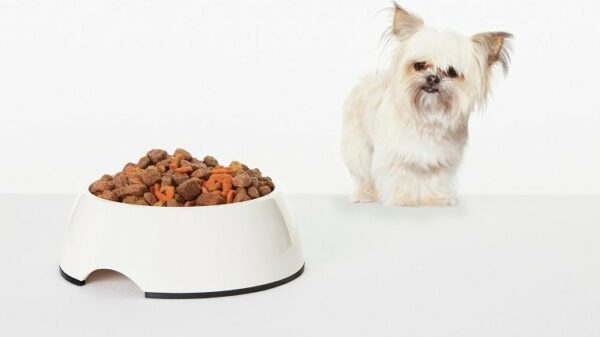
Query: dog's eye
column 452, row 72
column 420, row 66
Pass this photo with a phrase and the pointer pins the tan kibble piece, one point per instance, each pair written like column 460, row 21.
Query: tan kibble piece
column 235, row 166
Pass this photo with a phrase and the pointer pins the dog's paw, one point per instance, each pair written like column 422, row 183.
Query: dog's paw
column 363, row 196
column 438, row 200
column 429, row 201
column 402, row 201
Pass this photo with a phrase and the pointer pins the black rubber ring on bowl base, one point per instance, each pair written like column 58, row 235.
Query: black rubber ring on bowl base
column 71, row 279
column 227, row 292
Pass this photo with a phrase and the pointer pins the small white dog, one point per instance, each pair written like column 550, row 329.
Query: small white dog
column 404, row 130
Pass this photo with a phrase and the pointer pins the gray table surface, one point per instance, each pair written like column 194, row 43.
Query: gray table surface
column 492, row 266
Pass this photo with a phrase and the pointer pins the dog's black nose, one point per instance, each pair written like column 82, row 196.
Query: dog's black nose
column 432, row 79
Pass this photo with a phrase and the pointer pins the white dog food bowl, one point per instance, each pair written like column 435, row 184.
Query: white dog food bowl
column 185, row 252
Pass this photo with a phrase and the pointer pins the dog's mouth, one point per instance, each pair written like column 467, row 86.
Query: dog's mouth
column 430, row 90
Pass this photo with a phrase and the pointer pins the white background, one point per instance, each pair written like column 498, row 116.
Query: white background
column 86, row 86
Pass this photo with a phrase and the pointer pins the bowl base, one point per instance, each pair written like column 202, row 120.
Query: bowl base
column 208, row 294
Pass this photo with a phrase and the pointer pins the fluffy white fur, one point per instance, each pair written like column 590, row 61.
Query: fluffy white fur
column 403, row 144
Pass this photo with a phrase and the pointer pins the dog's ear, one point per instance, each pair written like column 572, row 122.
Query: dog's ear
column 496, row 46
column 405, row 24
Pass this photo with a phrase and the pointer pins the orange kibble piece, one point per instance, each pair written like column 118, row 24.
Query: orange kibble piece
column 230, row 196
column 184, row 169
column 169, row 192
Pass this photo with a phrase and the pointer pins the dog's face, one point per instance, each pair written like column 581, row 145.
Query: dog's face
column 444, row 76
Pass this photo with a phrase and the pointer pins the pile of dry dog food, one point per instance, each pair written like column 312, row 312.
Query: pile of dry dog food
column 160, row 179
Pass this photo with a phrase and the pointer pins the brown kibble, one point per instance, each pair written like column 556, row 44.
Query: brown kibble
column 161, row 179
column 269, row 182
column 131, row 190
column 150, row 198
column 130, row 170
column 255, row 173
column 179, row 198
column 253, row 192
column 264, row 190
column 241, row 197
column 167, row 180
column 209, row 199
column 241, row 180
column 130, row 199
column 150, row 177
column 120, row 180
column 184, row 162
column 109, row 195
column 185, row 154
column 128, row 166
column 143, row 162
column 178, row 178
column 210, row 161
column 203, row 172
column 172, row 203
column 134, row 179
column 141, row 201
column 189, row 189
column 156, row 155
column 101, row 185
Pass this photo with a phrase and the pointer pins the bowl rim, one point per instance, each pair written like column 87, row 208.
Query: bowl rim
column 271, row 195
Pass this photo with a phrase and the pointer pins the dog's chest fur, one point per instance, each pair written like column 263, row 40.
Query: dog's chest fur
column 419, row 147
